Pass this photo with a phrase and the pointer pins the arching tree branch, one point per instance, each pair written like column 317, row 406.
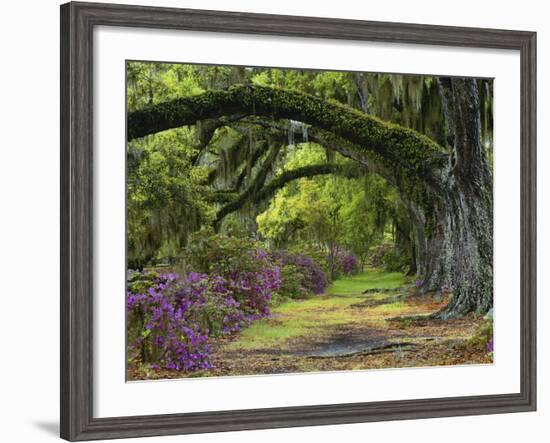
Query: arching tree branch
column 405, row 147
column 344, row 170
column 411, row 189
column 257, row 193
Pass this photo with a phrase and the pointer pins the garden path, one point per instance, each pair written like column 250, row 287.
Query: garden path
column 348, row 328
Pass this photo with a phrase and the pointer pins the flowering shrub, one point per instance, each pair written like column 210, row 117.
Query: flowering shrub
column 293, row 284
column 346, row 262
column 164, row 322
column 253, row 288
column 250, row 274
column 301, row 275
column 172, row 320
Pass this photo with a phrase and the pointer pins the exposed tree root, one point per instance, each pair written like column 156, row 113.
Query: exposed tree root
column 384, row 290
column 412, row 318
column 388, row 347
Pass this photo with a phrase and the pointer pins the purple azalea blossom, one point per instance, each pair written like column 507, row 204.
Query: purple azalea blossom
column 174, row 320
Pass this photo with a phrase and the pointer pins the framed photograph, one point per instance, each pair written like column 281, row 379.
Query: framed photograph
column 273, row 221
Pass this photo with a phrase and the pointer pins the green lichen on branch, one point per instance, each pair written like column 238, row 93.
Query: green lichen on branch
column 410, row 149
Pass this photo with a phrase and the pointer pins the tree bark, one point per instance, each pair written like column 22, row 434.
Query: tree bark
column 459, row 253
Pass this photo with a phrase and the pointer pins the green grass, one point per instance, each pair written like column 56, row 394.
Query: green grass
column 310, row 317
column 366, row 280
column 325, row 302
column 298, row 318
column 263, row 334
column 391, row 307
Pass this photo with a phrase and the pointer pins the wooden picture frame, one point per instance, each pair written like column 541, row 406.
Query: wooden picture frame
column 77, row 23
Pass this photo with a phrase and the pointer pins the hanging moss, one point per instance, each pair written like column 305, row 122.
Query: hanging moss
column 256, row 193
column 405, row 147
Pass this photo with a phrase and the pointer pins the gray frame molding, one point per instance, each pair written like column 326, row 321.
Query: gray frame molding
column 77, row 23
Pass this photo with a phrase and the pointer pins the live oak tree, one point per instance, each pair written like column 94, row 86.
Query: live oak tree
column 446, row 185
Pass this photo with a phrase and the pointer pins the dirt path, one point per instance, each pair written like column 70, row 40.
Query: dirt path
column 349, row 329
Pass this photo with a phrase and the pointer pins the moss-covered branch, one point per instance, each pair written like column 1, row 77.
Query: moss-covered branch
column 412, row 188
column 258, row 192
column 344, row 170
column 410, row 149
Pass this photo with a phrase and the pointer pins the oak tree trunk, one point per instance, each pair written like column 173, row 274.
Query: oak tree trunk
column 457, row 251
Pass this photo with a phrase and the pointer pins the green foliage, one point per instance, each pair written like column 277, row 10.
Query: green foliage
column 483, row 334
column 219, row 254
column 393, row 261
column 387, row 257
column 138, row 282
column 165, row 197
column 328, row 213
column 293, row 278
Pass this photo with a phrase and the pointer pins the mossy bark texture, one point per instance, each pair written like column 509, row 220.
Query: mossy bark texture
column 464, row 233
